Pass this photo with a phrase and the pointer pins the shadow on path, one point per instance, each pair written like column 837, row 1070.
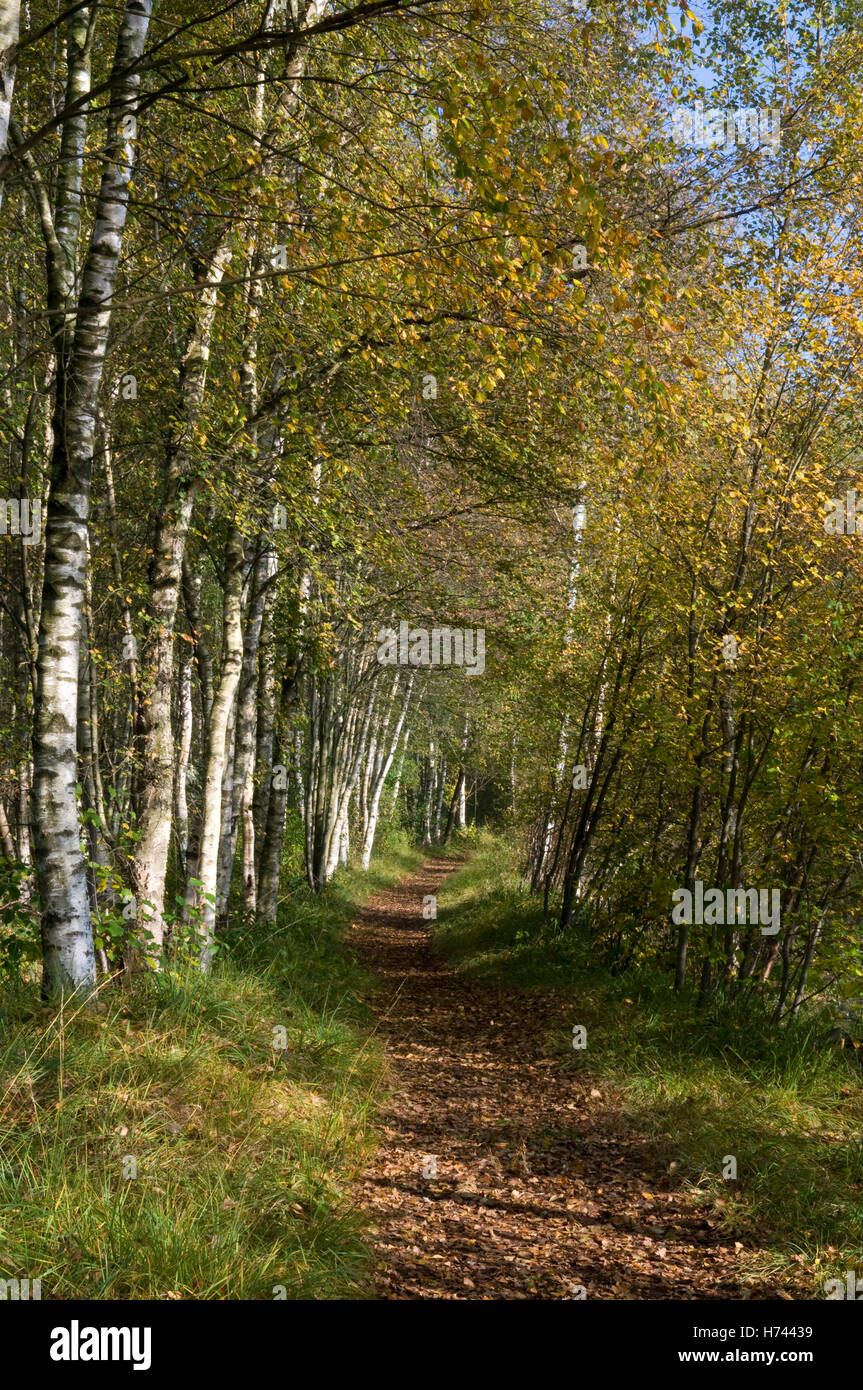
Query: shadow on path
column 501, row 1174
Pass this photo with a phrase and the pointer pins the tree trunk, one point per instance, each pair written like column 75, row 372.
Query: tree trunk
column 67, row 937
column 441, row 788
column 6, row 841
column 10, row 18
column 265, row 721
column 457, row 796
column 400, row 770
column 217, row 751
column 381, row 777
column 249, row 880
column 154, row 783
column 269, row 874
column 186, row 725
column 246, row 709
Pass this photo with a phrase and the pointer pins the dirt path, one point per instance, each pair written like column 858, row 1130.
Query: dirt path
column 537, row 1185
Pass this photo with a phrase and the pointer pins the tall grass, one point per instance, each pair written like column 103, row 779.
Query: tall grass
column 165, row 1148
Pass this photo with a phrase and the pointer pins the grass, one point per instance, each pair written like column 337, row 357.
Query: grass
column 701, row 1086
column 165, row 1148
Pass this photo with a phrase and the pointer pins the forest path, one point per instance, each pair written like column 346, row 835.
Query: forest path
column 540, row 1184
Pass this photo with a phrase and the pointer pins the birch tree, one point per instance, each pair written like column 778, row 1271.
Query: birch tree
column 67, row 938
column 10, row 18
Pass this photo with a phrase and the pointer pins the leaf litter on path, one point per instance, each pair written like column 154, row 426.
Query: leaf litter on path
column 501, row 1174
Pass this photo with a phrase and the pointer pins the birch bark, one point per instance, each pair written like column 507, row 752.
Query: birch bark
column 67, row 938
column 381, row 777
column 232, row 660
column 10, row 19
column 154, row 783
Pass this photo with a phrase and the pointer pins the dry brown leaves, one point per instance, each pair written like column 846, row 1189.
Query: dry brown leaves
column 501, row 1175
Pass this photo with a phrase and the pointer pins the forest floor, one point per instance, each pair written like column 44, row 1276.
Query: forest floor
column 500, row 1173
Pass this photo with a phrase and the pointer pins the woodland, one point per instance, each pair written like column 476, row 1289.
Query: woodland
column 428, row 446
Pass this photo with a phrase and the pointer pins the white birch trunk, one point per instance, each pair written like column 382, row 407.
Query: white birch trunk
column 186, row 723
column 381, row 777
column 248, row 818
column 153, row 792
column 67, row 940
column 10, row 19
column 244, row 732
column 217, row 751
column 6, row 841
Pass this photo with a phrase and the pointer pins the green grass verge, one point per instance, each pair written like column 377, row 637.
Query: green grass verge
column 702, row 1086
column 243, row 1153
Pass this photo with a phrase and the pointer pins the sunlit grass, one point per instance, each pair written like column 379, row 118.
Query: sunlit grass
column 243, row 1154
